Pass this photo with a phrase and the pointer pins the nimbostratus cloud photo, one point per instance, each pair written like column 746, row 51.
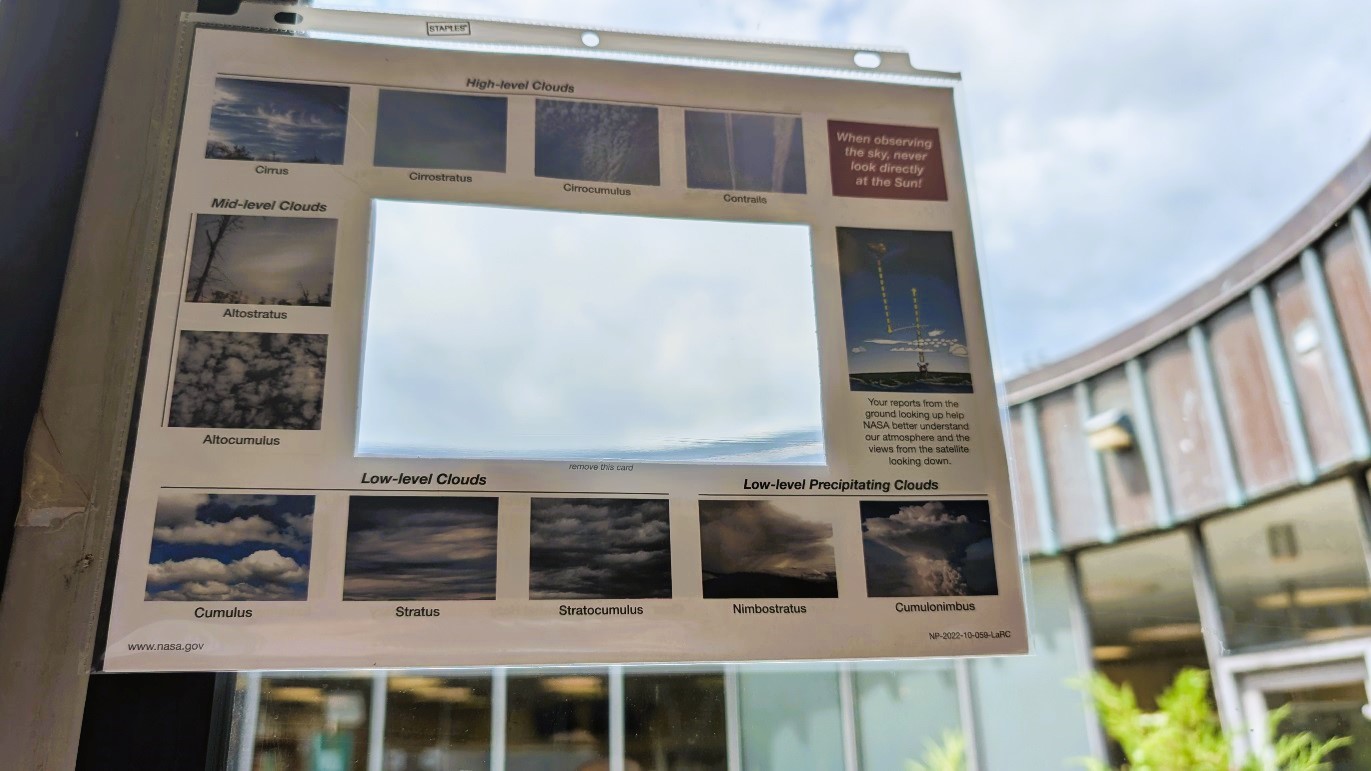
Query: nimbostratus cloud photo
column 766, row 549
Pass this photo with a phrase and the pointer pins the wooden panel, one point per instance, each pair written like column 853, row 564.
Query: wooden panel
column 1307, row 352
column 1030, row 527
column 1352, row 302
column 1183, row 429
column 1255, row 425
column 1125, row 473
column 1065, row 453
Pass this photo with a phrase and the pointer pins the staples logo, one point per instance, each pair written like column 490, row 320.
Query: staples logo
column 444, row 28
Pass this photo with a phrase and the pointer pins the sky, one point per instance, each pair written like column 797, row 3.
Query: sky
column 933, row 549
column 599, row 548
column 1120, row 152
column 280, row 121
column 420, row 548
column 265, row 258
column 441, row 131
column 209, row 547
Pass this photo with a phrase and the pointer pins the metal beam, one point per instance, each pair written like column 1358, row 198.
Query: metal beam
column 1037, row 471
column 1218, row 423
column 1146, row 428
column 1287, row 396
column 1335, row 349
column 1106, row 527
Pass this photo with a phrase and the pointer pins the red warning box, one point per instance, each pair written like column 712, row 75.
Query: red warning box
column 870, row 160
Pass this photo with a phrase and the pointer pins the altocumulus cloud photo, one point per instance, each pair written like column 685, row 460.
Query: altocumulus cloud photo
column 928, row 548
column 420, row 548
column 599, row 549
column 208, row 547
column 765, row 549
column 440, row 131
column 262, row 260
column 248, row 380
column 596, row 142
column 277, row 121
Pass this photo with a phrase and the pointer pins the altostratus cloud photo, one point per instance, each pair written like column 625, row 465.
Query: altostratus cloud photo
column 599, row 549
column 277, row 121
column 262, row 260
column 420, row 548
column 928, row 548
column 766, row 549
column 208, row 547
column 248, row 380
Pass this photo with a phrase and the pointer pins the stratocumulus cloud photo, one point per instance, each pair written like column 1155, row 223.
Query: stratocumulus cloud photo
column 277, row 121
column 248, row 380
column 596, row 142
column 208, row 547
column 599, row 549
column 902, row 311
column 262, row 260
column 928, row 548
column 420, row 548
column 744, row 151
column 765, row 549
column 417, row 129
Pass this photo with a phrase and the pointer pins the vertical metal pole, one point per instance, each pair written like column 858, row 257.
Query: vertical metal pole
column 1085, row 646
column 1361, row 233
column 1335, row 353
column 847, row 709
column 1287, row 397
column 1146, row 428
column 733, row 719
column 616, row 718
column 966, row 713
column 1218, row 424
column 376, row 726
column 1094, row 466
column 499, row 717
column 1215, row 645
column 247, row 719
column 1037, row 471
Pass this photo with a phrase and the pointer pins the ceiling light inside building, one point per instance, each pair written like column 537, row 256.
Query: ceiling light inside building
column 1314, row 598
column 1112, row 652
column 1167, row 633
column 1110, row 431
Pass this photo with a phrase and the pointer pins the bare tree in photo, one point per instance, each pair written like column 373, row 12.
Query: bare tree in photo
column 215, row 233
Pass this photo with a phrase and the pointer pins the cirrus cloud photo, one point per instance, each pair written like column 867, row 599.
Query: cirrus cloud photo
column 420, row 548
column 928, row 548
column 277, row 121
column 765, row 549
column 599, row 549
column 208, row 547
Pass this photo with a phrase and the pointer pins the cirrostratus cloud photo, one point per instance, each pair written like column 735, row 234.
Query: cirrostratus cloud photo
column 599, row 549
column 208, row 547
column 277, row 121
column 928, row 548
column 766, row 549
column 410, row 547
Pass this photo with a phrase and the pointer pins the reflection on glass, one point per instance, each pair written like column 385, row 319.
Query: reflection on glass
column 557, row 722
column 521, row 333
column 900, row 708
column 790, row 717
column 306, row 724
column 1329, row 711
column 437, row 723
column 674, row 721
column 1144, row 618
column 1292, row 569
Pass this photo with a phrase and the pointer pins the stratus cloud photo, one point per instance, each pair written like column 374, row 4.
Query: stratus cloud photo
column 254, row 260
column 765, row 549
column 277, row 121
column 599, row 549
column 208, row 547
column 420, row 548
column 928, row 548
column 248, row 380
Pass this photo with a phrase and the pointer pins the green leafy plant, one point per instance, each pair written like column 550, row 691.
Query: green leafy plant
column 1184, row 733
column 946, row 754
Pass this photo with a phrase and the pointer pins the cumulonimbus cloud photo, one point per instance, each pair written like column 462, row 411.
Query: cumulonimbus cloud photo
column 277, row 121
column 248, row 380
column 599, row 549
column 765, row 549
column 420, row 548
column 208, row 547
column 928, row 548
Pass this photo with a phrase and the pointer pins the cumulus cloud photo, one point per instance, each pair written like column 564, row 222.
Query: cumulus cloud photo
column 599, row 549
column 209, row 547
column 596, row 142
column 262, row 260
column 765, row 549
column 420, row 548
column 248, row 380
column 928, row 549
column 423, row 130
column 277, row 121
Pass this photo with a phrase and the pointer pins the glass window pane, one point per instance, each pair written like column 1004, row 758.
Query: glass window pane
column 790, row 718
column 307, row 724
column 1144, row 618
column 674, row 721
column 900, row 708
column 437, row 723
column 557, row 722
column 1292, row 569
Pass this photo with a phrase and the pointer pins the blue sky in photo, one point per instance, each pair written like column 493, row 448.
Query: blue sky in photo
column 280, row 121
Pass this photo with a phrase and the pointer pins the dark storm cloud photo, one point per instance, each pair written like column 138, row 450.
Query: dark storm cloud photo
column 208, row 547
column 596, row 142
column 422, row 130
column 262, row 260
column 263, row 120
column 599, row 549
column 928, row 549
column 744, row 151
column 420, row 548
column 761, row 549
column 248, row 380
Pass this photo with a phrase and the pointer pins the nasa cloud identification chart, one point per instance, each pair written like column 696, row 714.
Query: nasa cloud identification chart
column 464, row 358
